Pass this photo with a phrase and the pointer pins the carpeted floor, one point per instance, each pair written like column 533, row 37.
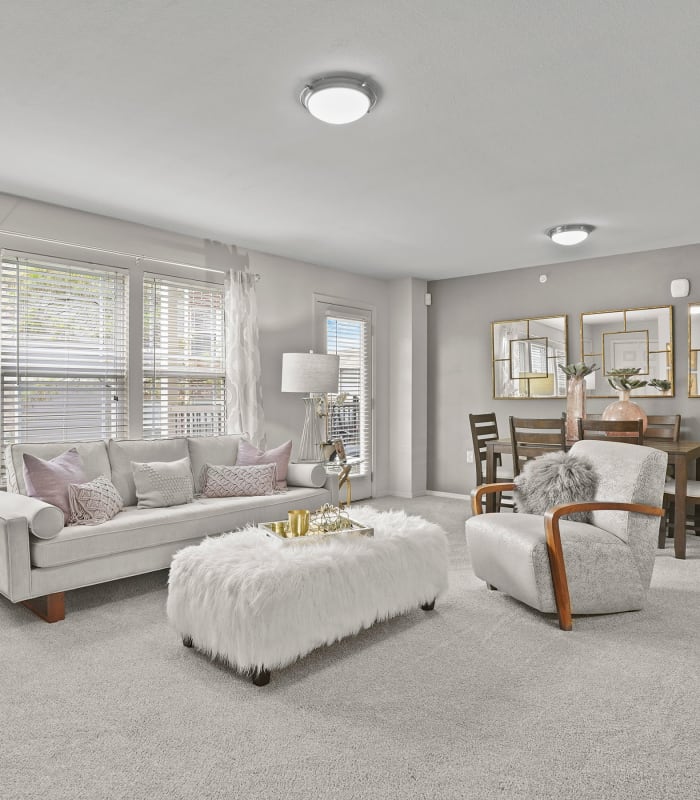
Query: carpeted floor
column 481, row 698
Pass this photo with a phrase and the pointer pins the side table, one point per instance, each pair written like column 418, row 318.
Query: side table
column 343, row 469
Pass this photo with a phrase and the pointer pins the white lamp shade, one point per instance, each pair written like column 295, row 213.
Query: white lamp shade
column 310, row 372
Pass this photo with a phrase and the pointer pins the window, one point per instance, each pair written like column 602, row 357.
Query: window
column 347, row 333
column 183, row 358
column 63, row 350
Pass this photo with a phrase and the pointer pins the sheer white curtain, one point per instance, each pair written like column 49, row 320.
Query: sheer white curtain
column 244, row 408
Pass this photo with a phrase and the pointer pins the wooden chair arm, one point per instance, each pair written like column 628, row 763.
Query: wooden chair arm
column 556, row 554
column 488, row 488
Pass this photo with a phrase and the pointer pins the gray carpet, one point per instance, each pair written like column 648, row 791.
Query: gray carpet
column 480, row 698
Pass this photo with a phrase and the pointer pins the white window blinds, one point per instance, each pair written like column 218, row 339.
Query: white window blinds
column 348, row 335
column 183, row 358
column 63, row 350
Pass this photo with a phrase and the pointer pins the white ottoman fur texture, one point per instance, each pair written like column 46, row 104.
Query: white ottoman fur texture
column 259, row 602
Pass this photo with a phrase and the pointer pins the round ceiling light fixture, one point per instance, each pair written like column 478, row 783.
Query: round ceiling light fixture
column 570, row 234
column 339, row 99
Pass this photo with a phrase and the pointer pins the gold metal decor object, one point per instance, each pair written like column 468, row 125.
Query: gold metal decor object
column 324, row 522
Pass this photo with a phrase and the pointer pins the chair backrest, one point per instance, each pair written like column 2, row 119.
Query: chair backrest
column 665, row 428
column 627, row 431
column 484, row 427
column 628, row 474
column 534, row 437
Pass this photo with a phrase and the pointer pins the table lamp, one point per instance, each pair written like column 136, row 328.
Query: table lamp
column 313, row 374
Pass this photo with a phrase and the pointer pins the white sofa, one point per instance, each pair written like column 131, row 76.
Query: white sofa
column 40, row 559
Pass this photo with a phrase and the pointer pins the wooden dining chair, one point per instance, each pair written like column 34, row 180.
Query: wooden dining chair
column 627, row 431
column 484, row 427
column 534, row 437
column 668, row 428
column 663, row 428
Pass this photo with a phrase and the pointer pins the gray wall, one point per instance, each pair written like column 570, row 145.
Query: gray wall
column 459, row 348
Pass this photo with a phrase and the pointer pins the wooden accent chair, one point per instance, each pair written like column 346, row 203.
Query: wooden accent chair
column 485, row 427
column 534, row 437
column 628, row 431
column 603, row 567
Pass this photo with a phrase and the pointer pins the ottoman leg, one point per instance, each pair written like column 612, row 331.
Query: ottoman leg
column 187, row 641
column 428, row 606
column 261, row 676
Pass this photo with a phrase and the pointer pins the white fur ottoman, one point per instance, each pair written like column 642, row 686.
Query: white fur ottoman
column 260, row 603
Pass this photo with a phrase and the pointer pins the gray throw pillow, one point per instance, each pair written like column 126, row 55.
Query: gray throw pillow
column 163, row 483
column 553, row 479
column 94, row 502
column 225, row 481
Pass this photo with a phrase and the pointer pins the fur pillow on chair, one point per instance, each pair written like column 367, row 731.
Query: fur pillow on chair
column 553, row 479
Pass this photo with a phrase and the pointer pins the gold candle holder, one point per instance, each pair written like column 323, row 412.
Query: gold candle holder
column 280, row 527
column 298, row 522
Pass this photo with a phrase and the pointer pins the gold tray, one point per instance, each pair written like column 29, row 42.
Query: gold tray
column 355, row 529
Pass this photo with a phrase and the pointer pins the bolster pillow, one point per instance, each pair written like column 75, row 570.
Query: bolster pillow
column 44, row 520
column 312, row 476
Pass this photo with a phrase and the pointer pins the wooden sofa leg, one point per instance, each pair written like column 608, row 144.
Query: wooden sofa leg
column 50, row 607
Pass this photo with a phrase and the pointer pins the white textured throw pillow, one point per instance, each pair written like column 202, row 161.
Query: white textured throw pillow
column 93, row 502
column 224, row 481
column 163, row 483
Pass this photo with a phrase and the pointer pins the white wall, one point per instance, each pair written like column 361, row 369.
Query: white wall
column 285, row 297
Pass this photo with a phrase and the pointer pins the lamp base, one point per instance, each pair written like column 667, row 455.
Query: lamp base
column 310, row 444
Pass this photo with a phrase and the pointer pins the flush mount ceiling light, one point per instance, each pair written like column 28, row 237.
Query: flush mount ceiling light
column 570, row 234
column 339, row 99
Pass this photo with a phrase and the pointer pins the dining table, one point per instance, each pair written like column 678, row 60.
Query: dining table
column 682, row 456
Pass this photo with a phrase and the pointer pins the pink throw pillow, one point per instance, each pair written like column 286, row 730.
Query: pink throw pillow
column 249, row 456
column 49, row 480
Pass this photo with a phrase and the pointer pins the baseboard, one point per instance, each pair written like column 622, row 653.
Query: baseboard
column 453, row 495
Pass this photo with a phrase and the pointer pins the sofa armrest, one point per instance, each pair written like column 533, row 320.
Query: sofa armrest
column 15, row 565
column 43, row 520
column 313, row 476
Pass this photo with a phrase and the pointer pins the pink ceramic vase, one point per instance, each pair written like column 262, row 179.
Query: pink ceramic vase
column 624, row 408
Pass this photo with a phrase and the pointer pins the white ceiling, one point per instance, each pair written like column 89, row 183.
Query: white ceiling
column 497, row 120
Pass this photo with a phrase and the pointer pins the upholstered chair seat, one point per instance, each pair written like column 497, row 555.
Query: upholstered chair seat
column 557, row 565
column 510, row 553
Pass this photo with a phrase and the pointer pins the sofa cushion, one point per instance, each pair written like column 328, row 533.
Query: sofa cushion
column 249, row 455
column 123, row 451
column 211, row 450
column 163, row 483
column 137, row 528
column 92, row 454
column 48, row 480
column 223, row 481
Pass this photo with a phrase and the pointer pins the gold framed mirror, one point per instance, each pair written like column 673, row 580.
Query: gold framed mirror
column 629, row 338
column 526, row 354
column 693, row 349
